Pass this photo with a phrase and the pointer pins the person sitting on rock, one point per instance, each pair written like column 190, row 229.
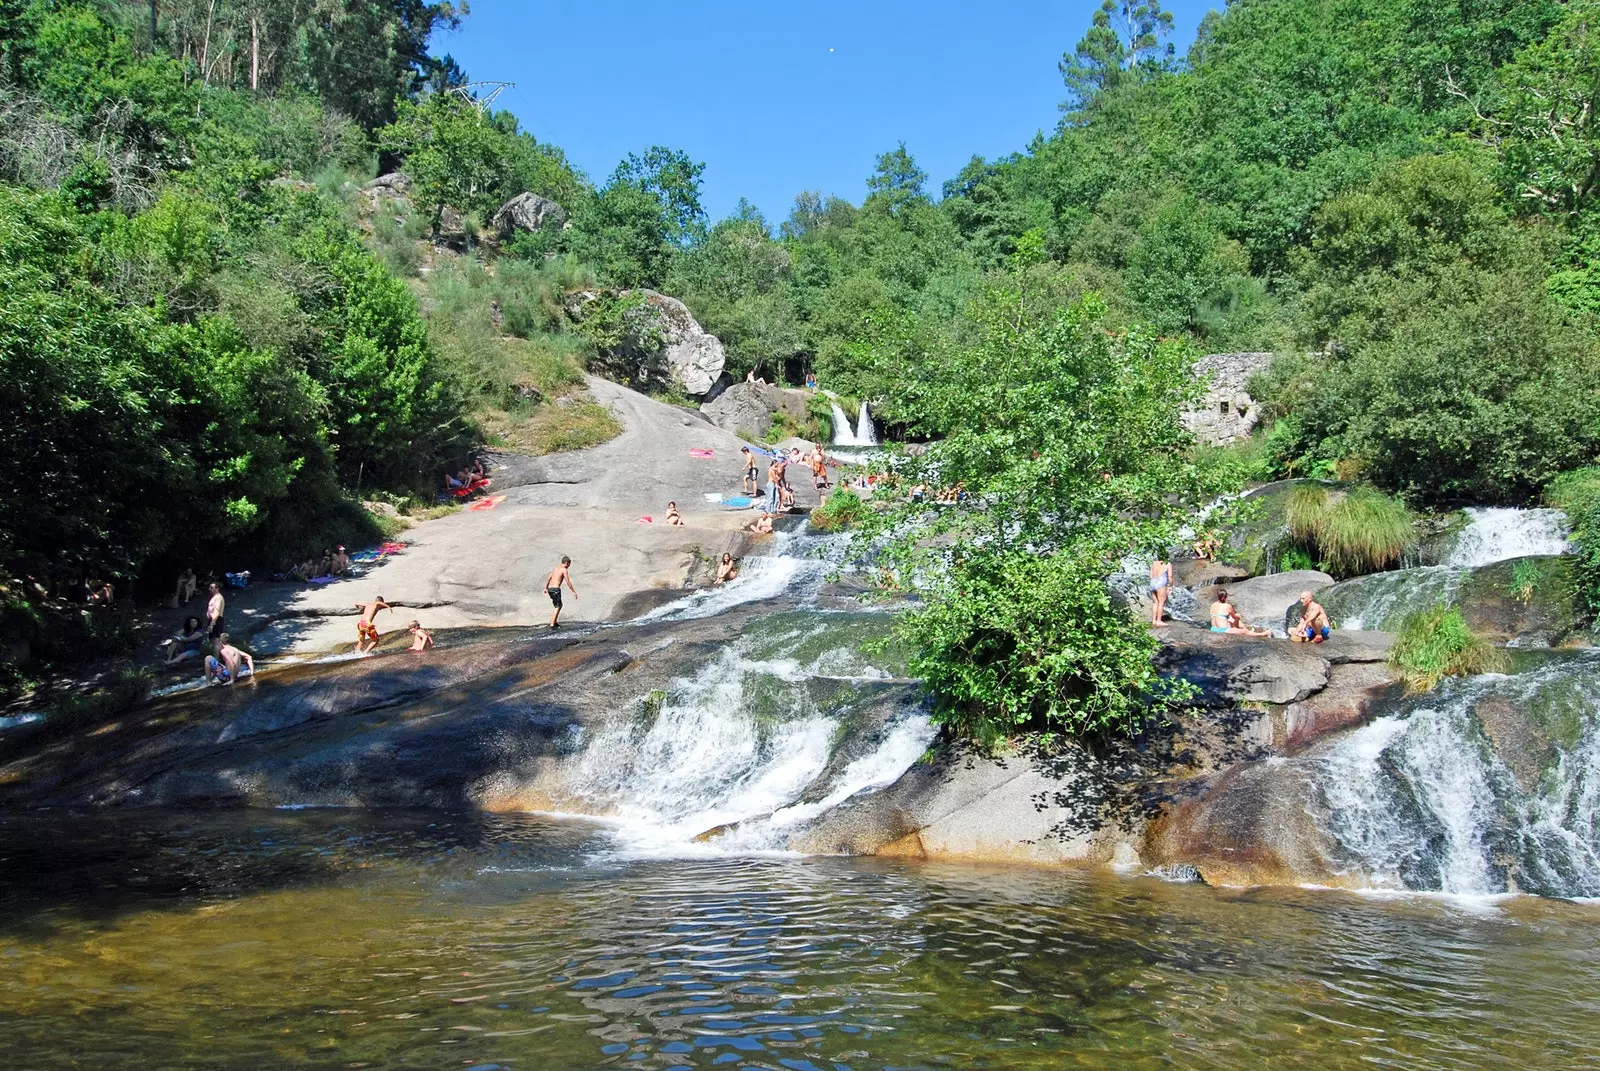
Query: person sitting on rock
column 185, row 643
column 673, row 516
column 727, row 569
column 341, row 561
column 762, row 525
column 186, row 585
column 1206, row 547
column 223, row 667
column 1314, row 626
column 1225, row 618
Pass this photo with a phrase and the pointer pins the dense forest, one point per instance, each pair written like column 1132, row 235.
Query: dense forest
column 211, row 341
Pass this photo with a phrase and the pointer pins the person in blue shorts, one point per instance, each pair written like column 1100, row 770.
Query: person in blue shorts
column 1314, row 625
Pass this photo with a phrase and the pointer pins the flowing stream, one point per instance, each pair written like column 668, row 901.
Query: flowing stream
column 863, row 433
column 1495, row 534
column 1491, row 785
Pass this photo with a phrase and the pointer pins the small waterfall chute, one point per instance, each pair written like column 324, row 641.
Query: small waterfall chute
column 1493, row 534
column 862, row 433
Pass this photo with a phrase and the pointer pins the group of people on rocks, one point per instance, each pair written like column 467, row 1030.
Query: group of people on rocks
column 1314, row 626
column 780, row 492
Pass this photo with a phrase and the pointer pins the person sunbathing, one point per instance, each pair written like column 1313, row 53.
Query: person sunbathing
column 1225, row 618
column 673, row 516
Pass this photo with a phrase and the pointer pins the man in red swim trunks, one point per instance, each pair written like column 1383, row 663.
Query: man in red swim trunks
column 366, row 631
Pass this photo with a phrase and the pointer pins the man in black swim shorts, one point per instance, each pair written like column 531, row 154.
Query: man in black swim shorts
column 552, row 588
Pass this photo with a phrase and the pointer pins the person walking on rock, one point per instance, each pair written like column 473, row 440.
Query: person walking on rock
column 366, row 628
column 552, row 587
column 752, row 472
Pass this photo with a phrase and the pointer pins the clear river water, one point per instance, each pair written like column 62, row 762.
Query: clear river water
column 347, row 939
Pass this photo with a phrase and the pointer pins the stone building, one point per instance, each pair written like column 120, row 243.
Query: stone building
column 1227, row 413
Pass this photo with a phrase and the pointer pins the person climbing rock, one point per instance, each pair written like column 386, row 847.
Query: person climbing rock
column 552, row 587
column 1314, row 626
column 1160, row 586
column 366, row 628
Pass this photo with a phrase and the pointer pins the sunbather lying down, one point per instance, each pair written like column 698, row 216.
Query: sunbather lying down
column 1225, row 618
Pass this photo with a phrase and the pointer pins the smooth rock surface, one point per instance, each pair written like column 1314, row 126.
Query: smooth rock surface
column 527, row 212
column 749, row 408
column 1242, row 669
column 1264, row 600
column 693, row 356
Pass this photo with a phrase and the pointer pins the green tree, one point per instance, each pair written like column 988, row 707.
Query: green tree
column 454, row 156
column 1064, row 437
column 1126, row 39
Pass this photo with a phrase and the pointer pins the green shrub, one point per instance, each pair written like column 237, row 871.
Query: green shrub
column 1351, row 533
column 1436, row 643
column 842, row 509
column 1578, row 493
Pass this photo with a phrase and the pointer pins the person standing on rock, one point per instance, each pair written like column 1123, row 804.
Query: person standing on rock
column 552, row 587
column 216, row 606
column 774, row 483
column 752, row 473
column 1314, row 626
column 1160, row 585
column 366, row 629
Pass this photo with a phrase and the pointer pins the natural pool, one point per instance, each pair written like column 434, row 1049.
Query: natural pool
column 421, row 940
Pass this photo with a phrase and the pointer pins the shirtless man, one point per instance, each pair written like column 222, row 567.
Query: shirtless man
column 215, row 607
column 341, row 561
column 1160, row 585
column 774, row 484
column 762, row 525
column 819, row 469
column 223, row 667
column 752, row 483
column 421, row 638
column 1224, row 618
column 1314, row 626
column 552, row 587
column 366, row 630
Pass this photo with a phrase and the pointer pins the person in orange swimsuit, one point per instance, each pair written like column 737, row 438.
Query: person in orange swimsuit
column 366, row 631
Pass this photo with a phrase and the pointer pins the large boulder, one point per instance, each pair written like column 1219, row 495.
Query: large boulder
column 749, row 408
column 693, row 356
column 1264, row 601
column 394, row 184
column 1241, row 669
column 528, row 212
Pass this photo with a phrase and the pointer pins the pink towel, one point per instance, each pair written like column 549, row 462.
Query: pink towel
column 699, row 452
column 487, row 503
column 647, row 519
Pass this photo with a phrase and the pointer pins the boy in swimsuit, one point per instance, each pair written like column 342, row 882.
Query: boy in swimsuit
column 223, row 667
column 1160, row 585
column 752, row 483
column 552, row 587
column 762, row 525
column 366, row 631
column 421, row 638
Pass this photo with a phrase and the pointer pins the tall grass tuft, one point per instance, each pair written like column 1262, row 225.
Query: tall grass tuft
column 1436, row 643
column 1357, row 532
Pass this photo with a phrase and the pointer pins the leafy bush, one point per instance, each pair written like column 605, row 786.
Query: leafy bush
column 842, row 509
column 1352, row 532
column 1578, row 493
column 1436, row 643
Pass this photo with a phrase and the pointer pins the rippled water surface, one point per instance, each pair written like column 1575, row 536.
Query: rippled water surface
column 325, row 938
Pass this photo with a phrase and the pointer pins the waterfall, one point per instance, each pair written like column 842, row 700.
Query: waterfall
column 1491, row 785
column 1381, row 601
column 792, row 712
column 1493, row 535
column 864, row 433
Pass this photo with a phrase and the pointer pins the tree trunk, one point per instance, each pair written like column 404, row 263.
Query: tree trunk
column 255, row 54
column 153, row 23
column 205, row 46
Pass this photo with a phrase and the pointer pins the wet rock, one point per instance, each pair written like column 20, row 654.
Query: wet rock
column 1199, row 573
column 1264, row 601
column 1520, row 744
column 1238, row 669
column 1353, row 694
column 1524, row 601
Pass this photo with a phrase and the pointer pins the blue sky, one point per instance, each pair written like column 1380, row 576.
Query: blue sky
column 778, row 98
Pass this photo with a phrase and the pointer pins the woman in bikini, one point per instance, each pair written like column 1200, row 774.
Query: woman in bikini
column 1224, row 618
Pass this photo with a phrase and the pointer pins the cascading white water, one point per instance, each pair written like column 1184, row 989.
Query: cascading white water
column 864, row 433
column 1494, row 534
column 1381, row 601
column 1491, row 785
column 795, row 565
column 744, row 738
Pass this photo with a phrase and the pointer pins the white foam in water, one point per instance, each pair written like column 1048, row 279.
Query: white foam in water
column 863, row 434
column 796, row 565
column 1494, row 534
column 737, row 741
